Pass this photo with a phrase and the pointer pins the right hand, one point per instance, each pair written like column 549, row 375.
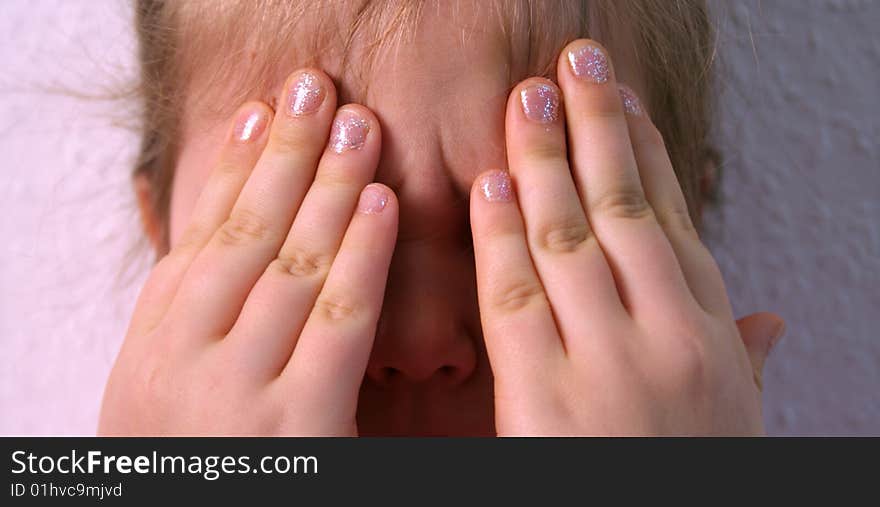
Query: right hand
column 262, row 317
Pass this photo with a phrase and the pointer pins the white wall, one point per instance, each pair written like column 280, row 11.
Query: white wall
column 799, row 233
column 66, row 210
column 800, row 127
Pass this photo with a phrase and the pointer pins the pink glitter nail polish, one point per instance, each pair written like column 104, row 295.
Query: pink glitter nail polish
column 306, row 95
column 349, row 132
column 590, row 63
column 373, row 200
column 540, row 103
column 497, row 187
column 248, row 125
column 631, row 103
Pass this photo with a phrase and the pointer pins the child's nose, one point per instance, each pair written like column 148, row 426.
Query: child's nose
column 423, row 336
column 422, row 350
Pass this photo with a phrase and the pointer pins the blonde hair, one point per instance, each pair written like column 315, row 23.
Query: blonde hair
column 198, row 45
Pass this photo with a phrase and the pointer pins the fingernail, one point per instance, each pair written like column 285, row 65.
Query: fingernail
column 373, row 200
column 306, row 95
column 540, row 103
column 249, row 124
column 631, row 103
column 349, row 132
column 589, row 63
column 496, row 186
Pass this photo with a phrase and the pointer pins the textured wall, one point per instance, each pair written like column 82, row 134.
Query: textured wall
column 798, row 233
column 800, row 226
column 67, row 216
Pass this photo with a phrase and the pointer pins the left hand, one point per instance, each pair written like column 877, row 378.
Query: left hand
column 602, row 311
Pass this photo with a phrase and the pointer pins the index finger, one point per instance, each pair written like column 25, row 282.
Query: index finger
column 518, row 324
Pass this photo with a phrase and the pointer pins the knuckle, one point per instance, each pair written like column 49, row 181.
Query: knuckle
column 242, row 227
column 517, row 295
column 649, row 137
column 301, row 263
column 626, row 202
column 152, row 383
column 226, row 168
column 335, row 308
column 564, row 236
column 292, row 139
column 677, row 219
column 691, row 363
column 546, row 153
column 192, row 240
column 189, row 241
column 335, row 179
column 599, row 105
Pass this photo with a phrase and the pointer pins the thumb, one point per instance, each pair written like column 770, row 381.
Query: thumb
column 759, row 333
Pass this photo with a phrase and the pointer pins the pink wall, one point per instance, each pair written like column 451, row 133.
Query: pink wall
column 799, row 233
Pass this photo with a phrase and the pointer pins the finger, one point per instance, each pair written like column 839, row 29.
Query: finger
column 518, row 326
column 567, row 257
column 276, row 309
column 222, row 275
column 245, row 140
column 760, row 332
column 667, row 200
column 328, row 364
column 647, row 274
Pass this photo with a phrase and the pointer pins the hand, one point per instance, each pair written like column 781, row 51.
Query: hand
column 602, row 311
column 262, row 318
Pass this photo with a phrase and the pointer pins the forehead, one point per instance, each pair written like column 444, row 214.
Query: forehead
column 438, row 83
column 441, row 101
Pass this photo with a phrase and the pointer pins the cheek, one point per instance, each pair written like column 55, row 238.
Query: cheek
column 194, row 166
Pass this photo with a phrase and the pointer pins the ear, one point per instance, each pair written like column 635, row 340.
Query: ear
column 708, row 181
column 143, row 188
column 759, row 333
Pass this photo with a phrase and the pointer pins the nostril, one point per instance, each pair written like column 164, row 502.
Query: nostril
column 384, row 376
column 448, row 371
column 388, row 374
column 452, row 374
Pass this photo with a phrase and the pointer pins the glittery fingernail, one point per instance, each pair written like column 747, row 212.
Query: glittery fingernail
column 631, row 103
column 349, row 132
column 540, row 103
column 306, row 95
column 590, row 63
column 496, row 186
column 373, row 200
column 249, row 124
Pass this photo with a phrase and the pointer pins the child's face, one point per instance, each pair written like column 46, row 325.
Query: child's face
column 440, row 100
